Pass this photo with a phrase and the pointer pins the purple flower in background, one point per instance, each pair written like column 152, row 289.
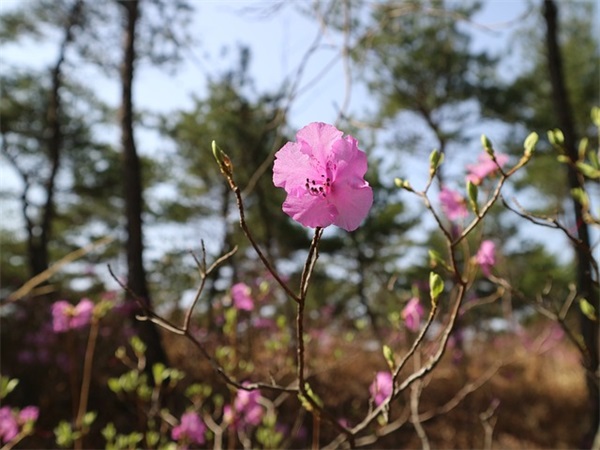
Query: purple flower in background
column 242, row 300
column 29, row 414
column 486, row 257
column 323, row 176
column 9, row 427
column 412, row 314
column 453, row 204
column 68, row 317
column 61, row 316
column 82, row 314
column 246, row 409
column 191, row 429
column 382, row 387
column 484, row 167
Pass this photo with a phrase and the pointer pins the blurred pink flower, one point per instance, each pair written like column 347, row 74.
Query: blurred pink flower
column 453, row 204
column 323, row 176
column 68, row 317
column 11, row 421
column 242, row 300
column 486, row 256
column 190, row 430
column 29, row 414
column 246, row 409
column 484, row 167
column 9, row 427
column 412, row 314
column 382, row 387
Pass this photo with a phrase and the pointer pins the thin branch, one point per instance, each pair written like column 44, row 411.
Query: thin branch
column 203, row 276
column 183, row 331
column 54, row 268
column 257, row 249
column 86, row 380
column 488, row 421
column 415, row 394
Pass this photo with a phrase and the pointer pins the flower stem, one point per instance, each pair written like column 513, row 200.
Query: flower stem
column 86, row 380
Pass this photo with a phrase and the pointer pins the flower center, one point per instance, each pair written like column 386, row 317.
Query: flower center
column 318, row 187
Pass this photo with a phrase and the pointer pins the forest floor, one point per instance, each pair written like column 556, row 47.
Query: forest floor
column 500, row 393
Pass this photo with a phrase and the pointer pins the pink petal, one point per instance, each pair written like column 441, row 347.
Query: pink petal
column 310, row 210
column 317, row 139
column 291, row 168
column 61, row 312
column 352, row 203
column 351, row 161
column 82, row 313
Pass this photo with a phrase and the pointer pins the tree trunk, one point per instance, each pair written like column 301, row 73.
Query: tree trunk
column 132, row 185
column 585, row 283
column 39, row 231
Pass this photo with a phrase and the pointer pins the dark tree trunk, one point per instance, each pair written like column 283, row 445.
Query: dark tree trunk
column 132, row 185
column 39, row 232
column 585, row 283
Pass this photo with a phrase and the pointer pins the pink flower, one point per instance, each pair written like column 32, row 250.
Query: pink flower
column 323, row 176
column 242, row 300
column 486, row 256
column 191, row 429
column 412, row 314
column 246, row 410
column 247, row 406
column 68, row 317
column 29, row 414
column 453, row 204
column 382, row 387
column 9, row 427
column 486, row 166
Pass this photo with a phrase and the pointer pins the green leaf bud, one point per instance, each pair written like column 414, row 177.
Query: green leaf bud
column 530, row 143
column 472, row 192
column 436, row 286
column 581, row 197
column 588, row 170
column 89, row 417
column 223, row 160
column 556, row 137
column 588, row 310
column 596, row 116
column 435, row 159
column 582, row 149
column 487, row 145
column 594, row 159
column 435, row 258
column 388, row 354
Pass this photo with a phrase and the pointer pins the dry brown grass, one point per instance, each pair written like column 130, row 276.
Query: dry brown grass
column 541, row 397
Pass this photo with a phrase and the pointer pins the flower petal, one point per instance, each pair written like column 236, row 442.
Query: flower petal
column 317, row 140
column 310, row 210
column 352, row 202
column 351, row 162
column 291, row 168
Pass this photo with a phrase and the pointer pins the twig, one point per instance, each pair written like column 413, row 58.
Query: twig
column 488, row 421
column 204, row 272
column 553, row 223
column 86, row 380
column 415, row 395
column 54, row 268
column 257, row 249
column 179, row 330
